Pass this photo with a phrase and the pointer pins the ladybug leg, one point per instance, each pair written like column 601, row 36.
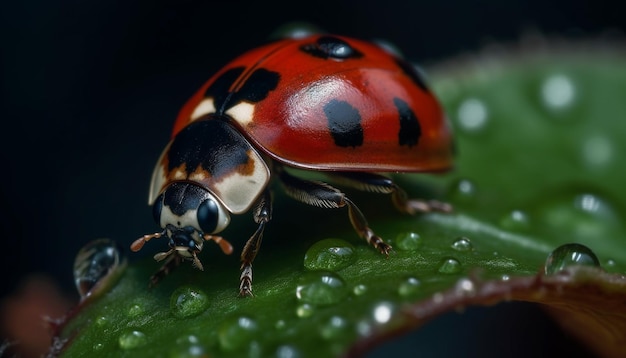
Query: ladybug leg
column 377, row 183
column 262, row 215
column 323, row 195
column 172, row 261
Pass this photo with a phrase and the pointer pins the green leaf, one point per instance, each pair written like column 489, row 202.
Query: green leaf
column 539, row 141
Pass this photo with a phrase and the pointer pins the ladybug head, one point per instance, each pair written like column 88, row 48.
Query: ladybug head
column 189, row 215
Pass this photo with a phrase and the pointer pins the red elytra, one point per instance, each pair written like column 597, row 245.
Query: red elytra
column 291, row 126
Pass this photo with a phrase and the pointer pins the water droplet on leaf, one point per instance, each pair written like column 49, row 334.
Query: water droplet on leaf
column 516, row 220
column 187, row 301
column 132, row 339
column 237, row 333
column 462, row 244
column 329, row 254
column 472, row 115
column 321, row 288
column 409, row 287
column 304, row 310
column 568, row 255
column 408, row 241
column 383, row 312
column 359, row 289
column 558, row 92
column 449, row 265
column 334, row 328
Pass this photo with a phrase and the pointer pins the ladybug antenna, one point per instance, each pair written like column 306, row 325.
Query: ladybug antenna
column 138, row 244
column 162, row 255
column 226, row 247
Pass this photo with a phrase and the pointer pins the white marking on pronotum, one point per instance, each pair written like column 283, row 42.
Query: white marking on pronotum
column 242, row 113
column 206, row 106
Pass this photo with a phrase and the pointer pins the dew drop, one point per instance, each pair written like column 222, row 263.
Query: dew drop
column 449, row 265
column 465, row 287
column 97, row 346
column 383, row 312
column 188, row 347
column 463, row 191
column 135, row 310
column 558, row 92
column 334, row 328
column 280, row 324
column 409, row 287
column 187, row 301
column 359, row 289
column 516, row 220
column 287, row 351
column 569, row 255
column 472, row 115
column 101, row 321
column 505, row 277
column 597, row 151
column 579, row 217
column 305, row 310
column 94, row 263
column 237, row 333
column 329, row 254
column 132, row 339
column 408, row 241
column 462, row 244
column 321, row 288
column 610, row 263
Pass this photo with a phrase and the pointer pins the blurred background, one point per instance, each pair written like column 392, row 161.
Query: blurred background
column 90, row 91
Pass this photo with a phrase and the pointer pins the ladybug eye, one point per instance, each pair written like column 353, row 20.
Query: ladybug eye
column 212, row 217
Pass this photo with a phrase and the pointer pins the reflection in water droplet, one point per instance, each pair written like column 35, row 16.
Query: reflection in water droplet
column 321, row 288
column 334, row 328
column 132, row 339
column 558, row 92
column 472, row 115
column 597, row 151
column 408, row 241
column 516, row 220
column 568, row 255
column 237, row 333
column 304, row 310
column 329, row 254
column 188, row 301
column 409, row 287
column 462, row 244
column 93, row 263
column 359, row 289
column 450, row 265
column 383, row 312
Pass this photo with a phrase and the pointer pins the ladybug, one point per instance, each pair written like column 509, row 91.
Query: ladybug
column 333, row 104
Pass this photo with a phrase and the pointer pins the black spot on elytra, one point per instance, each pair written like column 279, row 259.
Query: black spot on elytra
column 331, row 47
column 410, row 130
column 344, row 123
column 211, row 144
column 255, row 88
column 413, row 73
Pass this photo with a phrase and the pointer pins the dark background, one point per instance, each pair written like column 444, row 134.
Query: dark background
column 90, row 90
